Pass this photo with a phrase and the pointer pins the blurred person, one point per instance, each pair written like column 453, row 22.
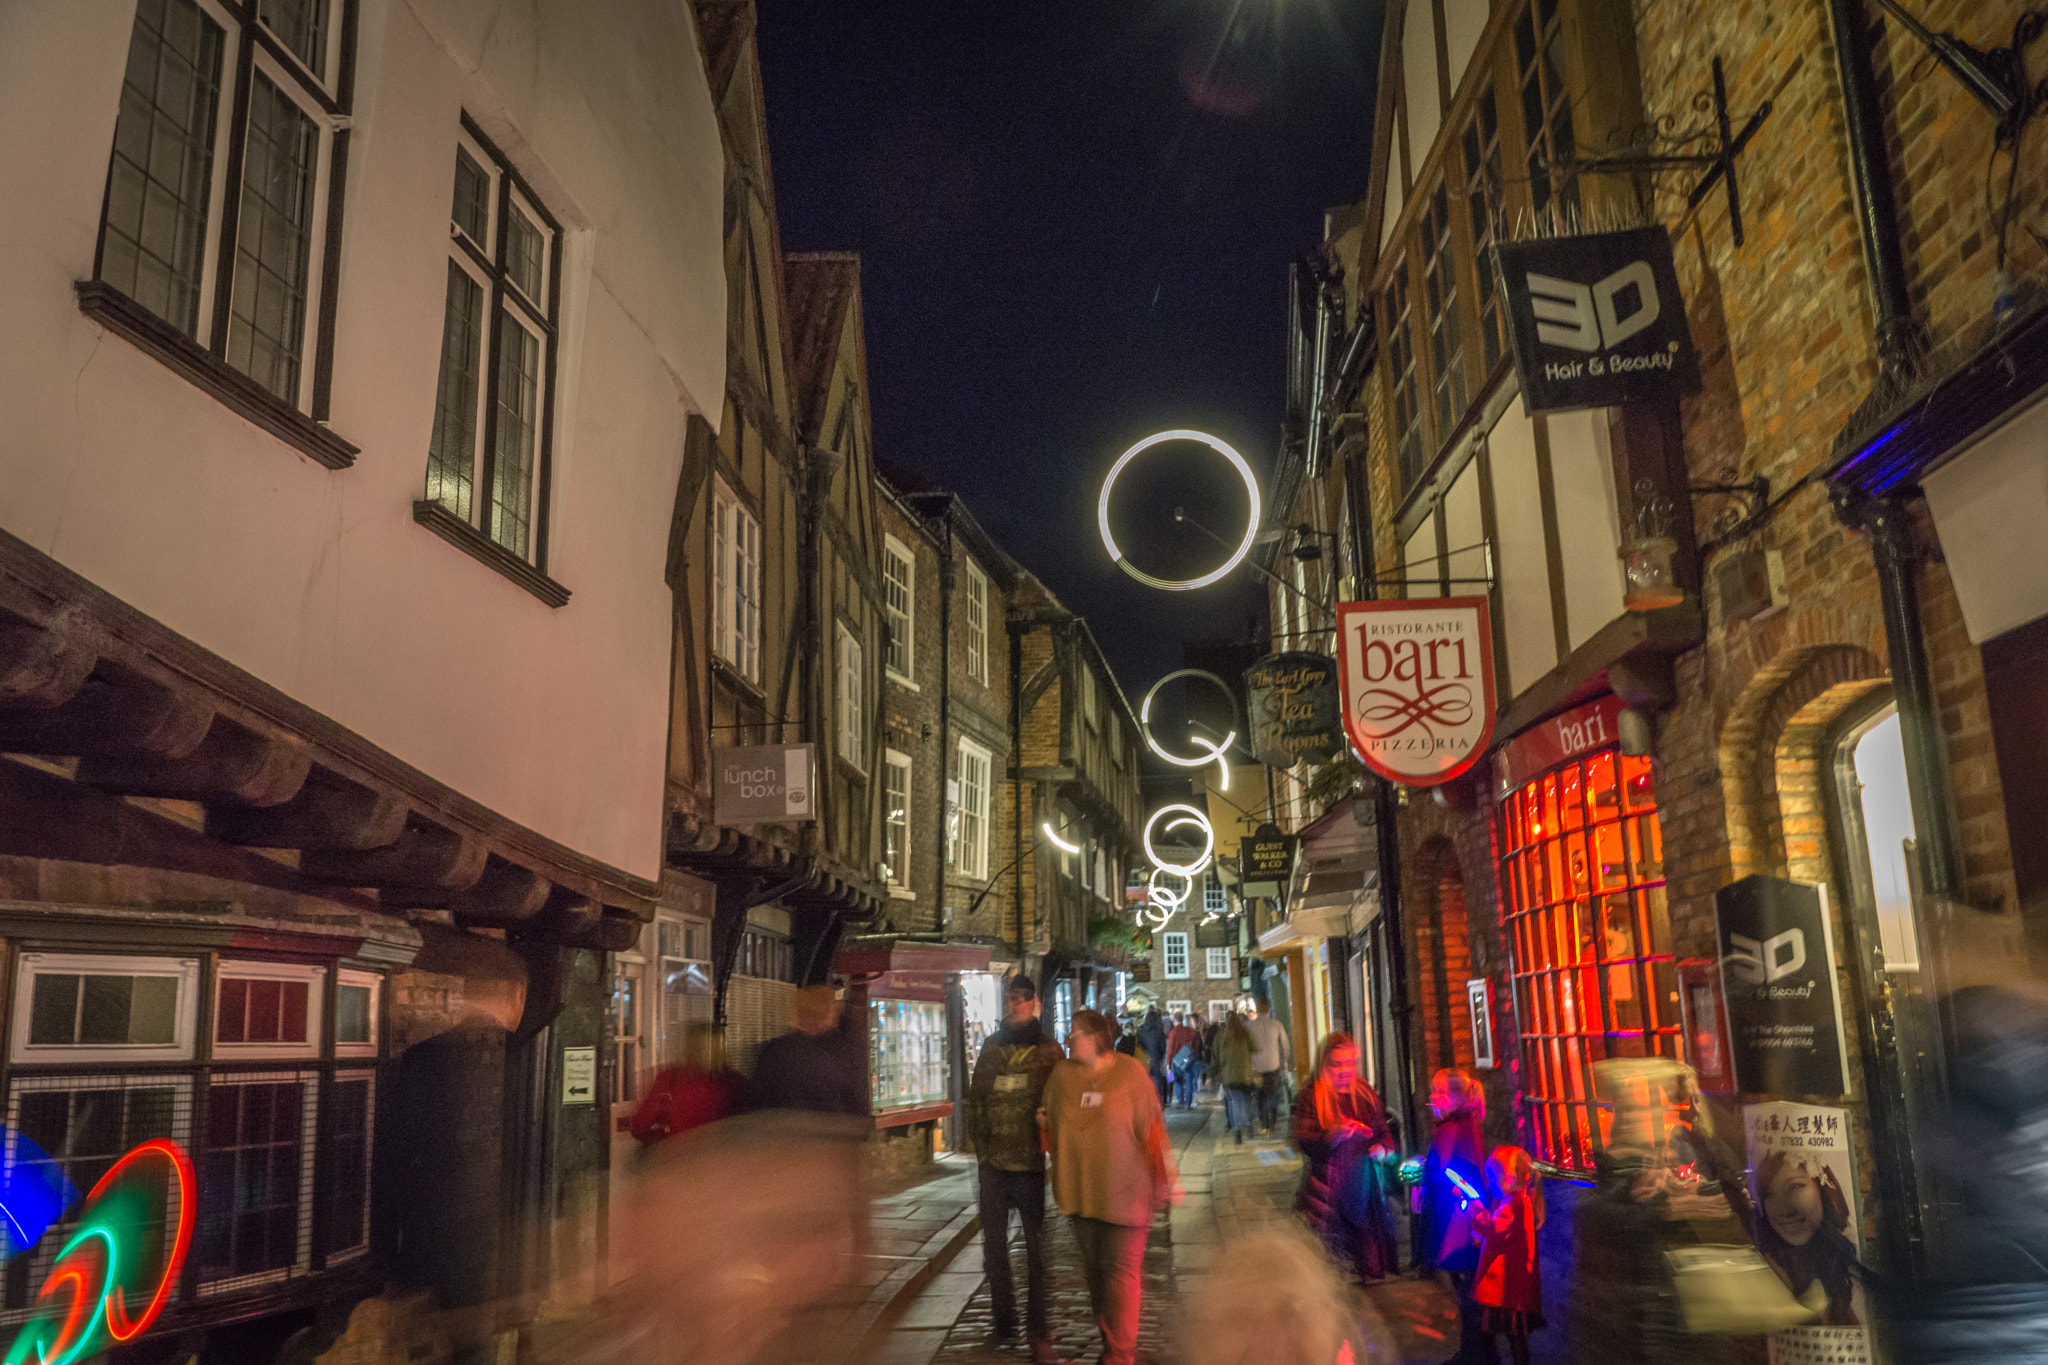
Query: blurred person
column 1234, row 1073
column 1152, row 1038
column 1274, row 1299
column 1624, row 1301
column 816, row 1066
column 1340, row 1125
column 699, row 1089
column 1004, row 1098
column 765, row 1201
column 820, row 1068
column 1184, row 1060
column 1210, row 1031
column 1985, row 1297
column 1111, row 1166
column 1272, row 1055
column 1509, row 1287
column 1451, row 1179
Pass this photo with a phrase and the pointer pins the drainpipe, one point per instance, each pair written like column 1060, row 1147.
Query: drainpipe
column 1386, row 834
column 1886, row 520
column 946, row 580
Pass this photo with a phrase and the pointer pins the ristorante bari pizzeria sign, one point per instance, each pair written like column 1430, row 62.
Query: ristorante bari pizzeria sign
column 1417, row 678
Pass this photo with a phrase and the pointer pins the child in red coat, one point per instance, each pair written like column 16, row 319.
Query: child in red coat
column 1510, row 1284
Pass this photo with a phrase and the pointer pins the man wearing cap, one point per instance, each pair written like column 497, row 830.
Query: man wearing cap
column 1002, row 1122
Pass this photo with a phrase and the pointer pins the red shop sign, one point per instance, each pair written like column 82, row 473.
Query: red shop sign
column 1596, row 725
column 1417, row 679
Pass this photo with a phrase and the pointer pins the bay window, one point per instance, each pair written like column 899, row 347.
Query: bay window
column 107, row 1052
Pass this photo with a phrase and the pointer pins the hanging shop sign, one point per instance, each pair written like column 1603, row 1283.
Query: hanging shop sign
column 1802, row 1178
column 1265, row 861
column 764, row 783
column 1597, row 320
column 1557, row 741
column 1778, row 978
column 1221, row 933
column 1291, row 702
column 1417, row 679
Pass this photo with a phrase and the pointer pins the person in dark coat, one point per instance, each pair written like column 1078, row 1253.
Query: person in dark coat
column 816, row 1067
column 1340, row 1125
column 1985, row 1298
column 1152, row 1037
column 1004, row 1098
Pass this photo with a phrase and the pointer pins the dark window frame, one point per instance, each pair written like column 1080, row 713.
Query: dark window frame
column 507, row 303
column 303, row 425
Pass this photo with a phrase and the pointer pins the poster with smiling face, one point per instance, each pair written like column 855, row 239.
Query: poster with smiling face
column 1802, row 1183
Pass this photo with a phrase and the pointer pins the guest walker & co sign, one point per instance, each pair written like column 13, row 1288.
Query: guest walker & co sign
column 1417, row 679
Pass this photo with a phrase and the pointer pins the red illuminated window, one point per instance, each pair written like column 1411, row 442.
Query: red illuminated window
column 261, row 1011
column 1583, row 871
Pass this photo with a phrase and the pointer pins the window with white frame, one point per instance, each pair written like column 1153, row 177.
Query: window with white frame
column 265, row 1010
column 279, row 1134
column 896, row 819
column 629, row 1033
column 1176, row 1007
column 1173, row 951
column 1219, row 1010
column 493, row 406
column 238, row 268
column 1218, row 963
column 1215, row 900
column 683, row 953
column 971, row 855
column 89, row 1008
column 977, row 623
column 735, row 582
column 899, row 599
column 852, row 701
column 357, row 996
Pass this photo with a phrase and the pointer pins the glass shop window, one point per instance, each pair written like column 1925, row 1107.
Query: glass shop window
column 907, row 1063
column 1583, row 873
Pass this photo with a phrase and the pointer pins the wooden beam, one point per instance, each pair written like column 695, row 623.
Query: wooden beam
column 43, row 815
column 233, row 763
column 424, row 857
column 42, row 665
column 506, row 893
column 330, row 813
column 116, row 713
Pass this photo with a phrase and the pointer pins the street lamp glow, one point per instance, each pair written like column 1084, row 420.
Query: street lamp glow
column 1045, row 827
column 1216, row 751
column 1251, row 525
column 1189, row 816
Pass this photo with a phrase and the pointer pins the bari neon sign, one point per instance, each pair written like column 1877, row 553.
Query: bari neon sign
column 106, row 1268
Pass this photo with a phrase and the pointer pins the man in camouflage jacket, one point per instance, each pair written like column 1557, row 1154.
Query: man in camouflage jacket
column 1002, row 1122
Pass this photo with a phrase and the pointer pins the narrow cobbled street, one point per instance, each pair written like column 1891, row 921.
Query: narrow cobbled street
column 1231, row 1188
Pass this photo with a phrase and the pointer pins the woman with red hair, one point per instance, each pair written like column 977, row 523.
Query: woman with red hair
column 1341, row 1128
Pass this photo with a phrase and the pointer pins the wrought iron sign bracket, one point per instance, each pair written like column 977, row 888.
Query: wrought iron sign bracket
column 1721, row 145
column 1756, row 493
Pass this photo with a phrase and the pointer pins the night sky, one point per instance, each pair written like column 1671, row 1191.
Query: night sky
column 1075, row 222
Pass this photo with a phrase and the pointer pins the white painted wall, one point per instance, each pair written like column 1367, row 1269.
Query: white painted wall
column 1521, row 563
column 1418, row 76
column 1420, row 563
column 1588, row 524
column 318, row 581
column 1392, row 206
column 1464, row 23
column 1465, row 533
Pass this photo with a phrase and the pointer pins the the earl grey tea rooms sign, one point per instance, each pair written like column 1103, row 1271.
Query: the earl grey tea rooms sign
column 1597, row 320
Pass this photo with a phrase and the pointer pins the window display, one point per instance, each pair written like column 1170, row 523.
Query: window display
column 1583, row 872
column 907, row 1054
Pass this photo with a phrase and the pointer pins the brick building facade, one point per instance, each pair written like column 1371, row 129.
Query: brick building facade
column 1792, row 733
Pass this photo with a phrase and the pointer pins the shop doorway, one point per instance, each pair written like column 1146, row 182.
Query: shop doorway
column 1443, row 952
column 1879, row 875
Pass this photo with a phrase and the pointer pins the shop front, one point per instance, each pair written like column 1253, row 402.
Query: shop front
column 1591, row 974
column 915, row 1004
